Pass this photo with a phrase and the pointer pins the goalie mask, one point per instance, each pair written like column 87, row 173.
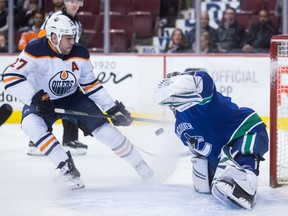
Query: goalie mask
column 59, row 25
column 180, row 91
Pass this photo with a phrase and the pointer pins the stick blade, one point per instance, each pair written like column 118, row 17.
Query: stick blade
column 5, row 112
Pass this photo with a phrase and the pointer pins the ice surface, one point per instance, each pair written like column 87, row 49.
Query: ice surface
column 112, row 187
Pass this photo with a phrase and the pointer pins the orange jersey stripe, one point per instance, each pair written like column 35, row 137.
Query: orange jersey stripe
column 74, row 57
column 35, row 57
column 91, row 86
column 11, row 79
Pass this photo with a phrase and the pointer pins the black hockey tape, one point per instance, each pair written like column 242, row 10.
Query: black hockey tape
column 5, row 112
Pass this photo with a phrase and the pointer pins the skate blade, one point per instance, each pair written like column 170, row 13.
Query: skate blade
column 76, row 151
column 34, row 152
column 62, row 184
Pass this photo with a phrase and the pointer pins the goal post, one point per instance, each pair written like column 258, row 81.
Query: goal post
column 279, row 111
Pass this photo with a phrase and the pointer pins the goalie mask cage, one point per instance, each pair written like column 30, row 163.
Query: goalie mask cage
column 279, row 111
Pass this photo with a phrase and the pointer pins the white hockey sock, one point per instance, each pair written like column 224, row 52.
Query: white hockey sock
column 57, row 155
column 122, row 147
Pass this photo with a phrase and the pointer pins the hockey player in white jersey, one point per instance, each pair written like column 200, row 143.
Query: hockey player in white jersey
column 228, row 141
column 52, row 72
column 70, row 131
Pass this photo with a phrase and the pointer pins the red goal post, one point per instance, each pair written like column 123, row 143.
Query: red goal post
column 279, row 111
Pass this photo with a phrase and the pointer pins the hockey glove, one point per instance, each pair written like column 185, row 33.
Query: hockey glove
column 122, row 117
column 44, row 106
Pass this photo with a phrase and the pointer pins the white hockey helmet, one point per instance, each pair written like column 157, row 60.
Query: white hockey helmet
column 59, row 25
column 80, row 1
column 180, row 91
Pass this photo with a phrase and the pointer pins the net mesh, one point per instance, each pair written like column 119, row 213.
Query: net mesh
column 282, row 113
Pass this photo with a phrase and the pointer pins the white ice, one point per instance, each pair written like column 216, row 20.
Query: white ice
column 112, row 187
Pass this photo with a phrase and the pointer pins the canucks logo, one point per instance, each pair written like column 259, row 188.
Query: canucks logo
column 197, row 144
column 62, row 82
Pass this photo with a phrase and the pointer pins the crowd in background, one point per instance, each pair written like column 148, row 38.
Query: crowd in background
column 229, row 37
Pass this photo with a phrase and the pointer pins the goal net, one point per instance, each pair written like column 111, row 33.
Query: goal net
column 279, row 111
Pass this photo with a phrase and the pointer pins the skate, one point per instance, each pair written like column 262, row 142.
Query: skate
column 228, row 191
column 75, row 147
column 69, row 177
column 236, row 186
column 33, row 150
column 144, row 171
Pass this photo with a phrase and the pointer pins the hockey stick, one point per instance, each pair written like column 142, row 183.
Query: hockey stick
column 5, row 112
column 177, row 155
column 77, row 113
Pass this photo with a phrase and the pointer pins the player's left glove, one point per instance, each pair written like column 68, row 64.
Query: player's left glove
column 44, row 106
column 122, row 117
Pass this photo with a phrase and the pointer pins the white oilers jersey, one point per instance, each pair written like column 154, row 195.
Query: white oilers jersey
column 40, row 67
column 75, row 21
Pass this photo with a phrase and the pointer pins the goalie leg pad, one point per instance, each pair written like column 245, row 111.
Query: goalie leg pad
column 200, row 174
column 236, row 187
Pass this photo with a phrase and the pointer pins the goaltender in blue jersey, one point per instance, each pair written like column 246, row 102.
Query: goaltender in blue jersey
column 52, row 72
column 227, row 141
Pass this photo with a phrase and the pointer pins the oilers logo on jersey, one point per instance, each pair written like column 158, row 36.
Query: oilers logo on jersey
column 62, row 82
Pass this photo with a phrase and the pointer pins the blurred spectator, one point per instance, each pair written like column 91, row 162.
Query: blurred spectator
column 205, row 43
column 229, row 35
column 186, row 4
column 204, row 28
column 57, row 6
column 279, row 7
column 178, row 43
column 279, row 13
column 3, row 16
column 70, row 10
column 24, row 20
column 258, row 38
column 32, row 33
column 3, row 43
column 169, row 12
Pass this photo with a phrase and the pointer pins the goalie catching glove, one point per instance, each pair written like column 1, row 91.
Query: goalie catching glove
column 121, row 116
column 44, row 106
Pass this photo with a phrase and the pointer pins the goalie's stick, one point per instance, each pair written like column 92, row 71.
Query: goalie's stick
column 5, row 112
column 77, row 113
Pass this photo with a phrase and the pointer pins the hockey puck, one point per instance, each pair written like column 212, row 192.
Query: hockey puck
column 159, row 131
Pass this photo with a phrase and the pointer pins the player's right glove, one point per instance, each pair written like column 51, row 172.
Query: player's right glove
column 122, row 117
column 44, row 106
